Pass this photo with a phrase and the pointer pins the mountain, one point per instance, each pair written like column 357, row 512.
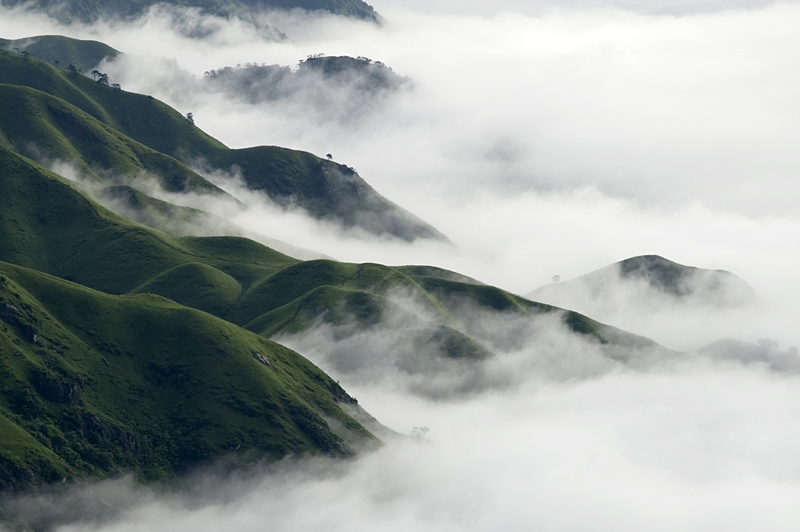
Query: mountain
column 109, row 134
column 91, row 10
column 97, row 385
column 658, row 298
column 653, row 280
column 63, row 51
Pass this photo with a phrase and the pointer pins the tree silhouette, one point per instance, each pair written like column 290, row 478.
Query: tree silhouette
column 95, row 74
column 57, row 63
column 330, row 157
column 102, row 79
column 190, row 118
column 72, row 68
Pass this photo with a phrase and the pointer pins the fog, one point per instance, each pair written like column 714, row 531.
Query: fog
column 702, row 447
column 543, row 140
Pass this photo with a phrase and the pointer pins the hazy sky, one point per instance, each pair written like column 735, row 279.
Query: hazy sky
column 542, row 139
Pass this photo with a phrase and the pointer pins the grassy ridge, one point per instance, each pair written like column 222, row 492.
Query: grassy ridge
column 234, row 278
column 47, row 224
column 47, row 128
column 63, row 51
column 115, row 383
column 324, row 189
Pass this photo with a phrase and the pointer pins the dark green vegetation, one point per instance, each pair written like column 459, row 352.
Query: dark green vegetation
column 361, row 80
column 63, row 51
column 124, row 348
column 91, row 10
column 109, row 134
column 95, row 384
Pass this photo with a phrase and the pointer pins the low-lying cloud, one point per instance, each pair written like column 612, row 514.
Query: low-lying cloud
column 542, row 140
column 683, row 448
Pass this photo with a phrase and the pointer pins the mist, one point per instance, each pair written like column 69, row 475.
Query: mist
column 543, row 140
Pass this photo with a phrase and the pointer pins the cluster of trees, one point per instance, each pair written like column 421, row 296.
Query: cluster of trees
column 102, row 79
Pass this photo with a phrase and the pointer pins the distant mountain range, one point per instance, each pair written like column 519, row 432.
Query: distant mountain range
column 91, row 10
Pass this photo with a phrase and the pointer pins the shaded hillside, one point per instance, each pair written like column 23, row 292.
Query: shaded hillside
column 650, row 275
column 660, row 299
column 91, row 10
column 63, row 51
column 50, row 130
column 323, row 188
column 262, row 290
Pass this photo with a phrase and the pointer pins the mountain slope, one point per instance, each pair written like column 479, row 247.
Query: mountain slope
column 661, row 299
column 63, row 51
column 253, row 286
column 95, row 384
column 49, row 129
column 653, row 278
column 322, row 188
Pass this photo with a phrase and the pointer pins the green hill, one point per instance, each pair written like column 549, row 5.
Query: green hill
column 63, row 51
column 49, row 129
column 90, row 10
column 116, row 126
column 247, row 284
column 95, row 385
column 639, row 281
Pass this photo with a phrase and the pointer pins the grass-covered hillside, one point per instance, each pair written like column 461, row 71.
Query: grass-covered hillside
column 90, row 10
column 96, row 385
column 48, row 225
column 124, row 348
column 655, row 279
column 110, row 132
column 62, row 51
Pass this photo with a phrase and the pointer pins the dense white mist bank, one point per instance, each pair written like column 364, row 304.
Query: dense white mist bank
column 696, row 447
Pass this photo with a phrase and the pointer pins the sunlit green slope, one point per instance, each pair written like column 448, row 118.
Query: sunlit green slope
column 96, row 385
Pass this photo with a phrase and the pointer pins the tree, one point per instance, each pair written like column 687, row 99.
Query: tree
column 330, row 157
column 95, row 73
column 102, row 79
column 556, row 279
column 72, row 68
column 57, row 63
column 190, row 118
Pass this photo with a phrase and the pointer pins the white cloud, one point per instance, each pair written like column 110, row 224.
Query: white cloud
column 544, row 141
